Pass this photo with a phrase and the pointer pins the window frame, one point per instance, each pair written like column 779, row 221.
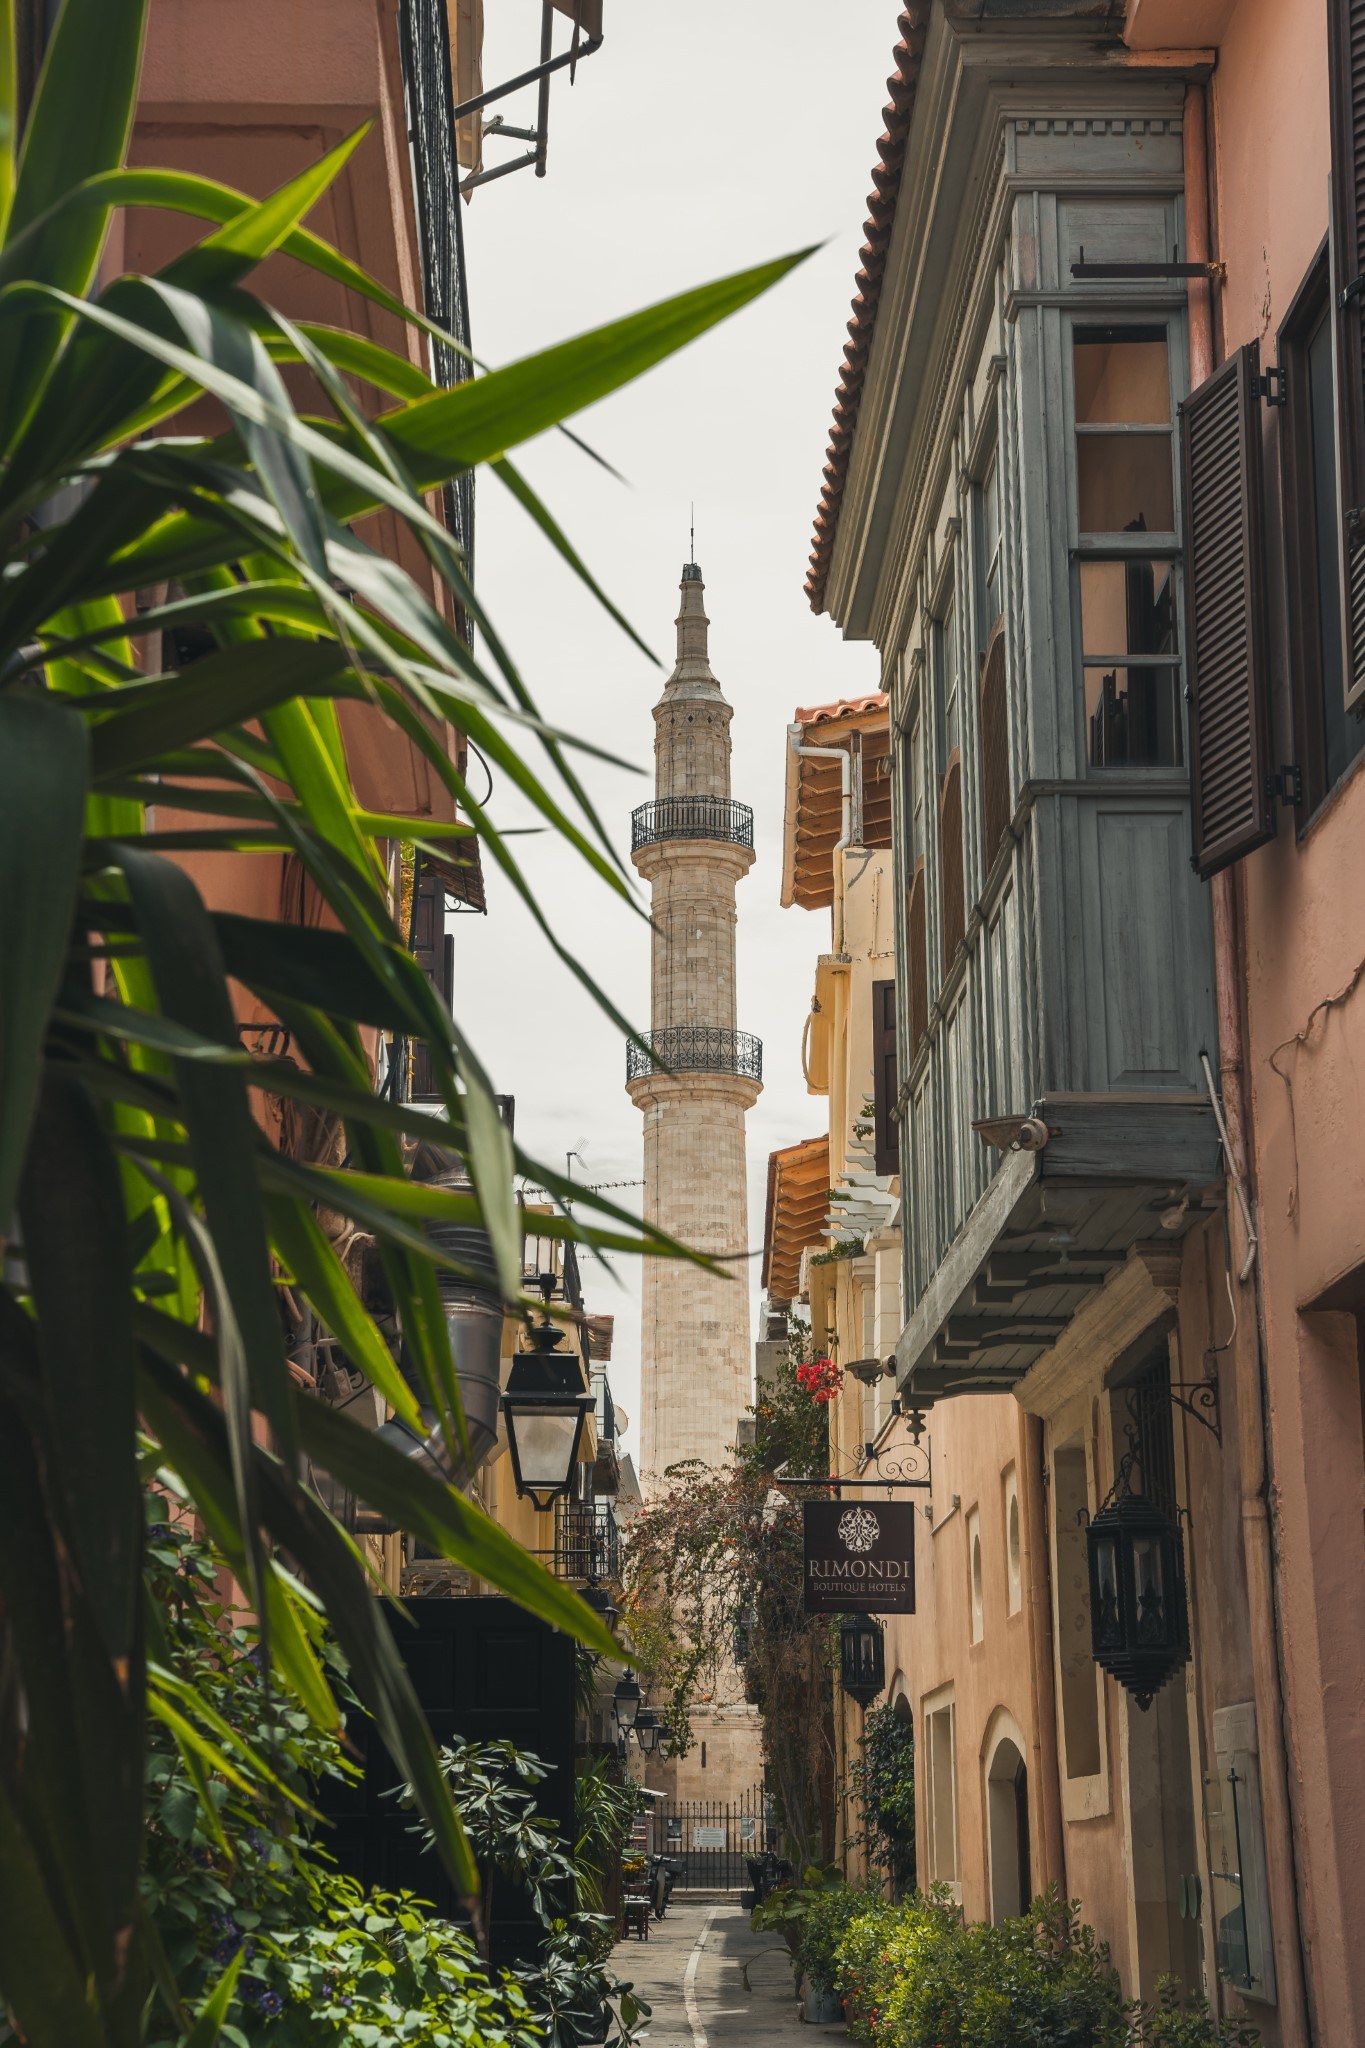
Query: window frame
column 1154, row 545
column 1311, row 307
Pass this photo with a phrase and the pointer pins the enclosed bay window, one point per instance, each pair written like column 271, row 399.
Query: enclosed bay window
column 1125, row 503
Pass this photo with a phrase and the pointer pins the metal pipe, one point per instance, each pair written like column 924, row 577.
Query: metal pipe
column 543, row 69
column 547, row 22
column 1249, row 1355
column 845, row 760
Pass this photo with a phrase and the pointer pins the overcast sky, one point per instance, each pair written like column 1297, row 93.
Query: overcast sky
column 698, row 140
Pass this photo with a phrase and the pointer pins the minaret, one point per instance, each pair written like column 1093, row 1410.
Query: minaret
column 692, row 845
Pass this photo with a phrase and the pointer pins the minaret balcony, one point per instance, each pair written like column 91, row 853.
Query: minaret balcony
column 691, row 817
column 695, row 1049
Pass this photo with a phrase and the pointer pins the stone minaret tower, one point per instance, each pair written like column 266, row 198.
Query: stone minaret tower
column 692, row 845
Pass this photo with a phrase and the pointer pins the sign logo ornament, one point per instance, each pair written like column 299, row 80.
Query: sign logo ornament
column 859, row 1529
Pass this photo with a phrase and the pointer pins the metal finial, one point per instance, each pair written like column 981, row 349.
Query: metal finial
column 692, row 534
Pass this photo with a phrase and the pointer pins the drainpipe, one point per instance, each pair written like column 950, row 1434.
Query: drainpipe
column 1252, row 1458
column 842, row 755
column 474, row 1318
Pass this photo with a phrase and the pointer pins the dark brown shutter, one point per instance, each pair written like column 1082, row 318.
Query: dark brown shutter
column 434, row 951
column 918, row 966
column 950, row 861
column 1346, row 46
column 885, row 1076
column 1225, row 633
column 995, row 746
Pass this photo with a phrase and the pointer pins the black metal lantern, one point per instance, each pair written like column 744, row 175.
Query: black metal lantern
column 862, row 1658
column 626, row 1702
column 601, row 1603
column 546, row 1405
column 667, row 1739
column 647, row 1730
column 1139, row 1622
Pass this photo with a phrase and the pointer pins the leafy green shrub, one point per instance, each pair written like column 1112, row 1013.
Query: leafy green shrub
column 883, row 1778
column 832, row 1910
column 786, row 1907
column 918, row 1976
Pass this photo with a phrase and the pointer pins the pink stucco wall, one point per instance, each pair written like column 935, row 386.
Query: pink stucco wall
column 1302, row 918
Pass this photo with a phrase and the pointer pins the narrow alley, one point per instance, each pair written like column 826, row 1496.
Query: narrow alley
column 711, row 1980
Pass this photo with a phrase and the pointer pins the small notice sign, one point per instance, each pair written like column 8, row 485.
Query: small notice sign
column 859, row 1557
column 708, row 1838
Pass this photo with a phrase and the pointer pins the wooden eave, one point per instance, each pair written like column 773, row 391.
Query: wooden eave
column 813, row 818
column 1118, row 1173
column 798, row 1202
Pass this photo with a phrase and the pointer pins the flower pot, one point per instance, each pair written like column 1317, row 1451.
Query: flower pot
column 821, row 2008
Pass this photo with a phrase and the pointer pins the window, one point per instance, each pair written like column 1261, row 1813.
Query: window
column 990, row 601
column 940, row 1792
column 1078, row 1675
column 1014, row 1561
column 947, row 709
column 948, row 723
column 916, row 924
column 976, row 1586
column 1125, row 498
column 1329, row 737
column 885, row 1078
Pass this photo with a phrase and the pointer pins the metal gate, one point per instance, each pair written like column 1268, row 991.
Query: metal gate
column 713, row 1840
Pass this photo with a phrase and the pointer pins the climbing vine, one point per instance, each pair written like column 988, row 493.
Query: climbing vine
column 714, row 1584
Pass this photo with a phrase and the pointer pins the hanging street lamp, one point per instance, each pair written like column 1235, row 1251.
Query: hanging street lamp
column 862, row 1658
column 1139, row 1622
column 647, row 1730
column 668, row 1738
column 626, row 1702
column 546, row 1406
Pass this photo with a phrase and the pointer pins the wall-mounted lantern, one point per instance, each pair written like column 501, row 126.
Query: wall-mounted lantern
column 668, row 1739
column 626, row 1702
column 862, row 1658
column 648, row 1729
column 1139, row 1621
column 546, row 1406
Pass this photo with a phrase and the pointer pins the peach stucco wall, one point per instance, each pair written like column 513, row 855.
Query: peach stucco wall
column 1302, row 916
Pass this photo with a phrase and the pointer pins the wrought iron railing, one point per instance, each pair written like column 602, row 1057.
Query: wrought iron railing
column 587, row 1542
column 691, row 817
column 425, row 39
column 695, row 1049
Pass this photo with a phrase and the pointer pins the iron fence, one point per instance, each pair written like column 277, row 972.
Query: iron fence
column 695, row 1049
column 713, row 1840
column 691, row 817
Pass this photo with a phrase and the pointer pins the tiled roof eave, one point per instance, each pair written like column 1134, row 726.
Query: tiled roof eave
column 911, row 25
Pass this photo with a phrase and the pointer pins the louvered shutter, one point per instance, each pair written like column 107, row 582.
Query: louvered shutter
column 434, row 951
column 1225, row 632
column 995, row 746
column 953, row 906
column 885, row 1076
column 1346, row 43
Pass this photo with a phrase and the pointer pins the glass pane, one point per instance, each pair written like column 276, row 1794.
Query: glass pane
column 1149, row 1589
column 989, row 527
column 1133, row 713
column 1122, row 377
column 1107, row 1625
column 1125, row 483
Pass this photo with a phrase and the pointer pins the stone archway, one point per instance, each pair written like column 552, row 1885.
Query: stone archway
column 1007, row 1819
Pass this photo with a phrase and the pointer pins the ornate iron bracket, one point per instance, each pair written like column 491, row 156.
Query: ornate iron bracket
column 1199, row 1399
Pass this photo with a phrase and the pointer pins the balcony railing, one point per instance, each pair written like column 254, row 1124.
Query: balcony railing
column 425, row 41
column 696, row 1049
column 691, row 817
column 587, row 1542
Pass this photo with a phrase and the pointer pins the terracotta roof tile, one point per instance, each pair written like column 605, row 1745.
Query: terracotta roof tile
column 881, row 212
column 842, row 707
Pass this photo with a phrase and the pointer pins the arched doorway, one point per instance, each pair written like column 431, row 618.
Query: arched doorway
column 1007, row 1827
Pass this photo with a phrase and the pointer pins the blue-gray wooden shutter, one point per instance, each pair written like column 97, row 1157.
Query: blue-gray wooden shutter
column 885, row 1077
column 1225, row 628
column 1346, row 48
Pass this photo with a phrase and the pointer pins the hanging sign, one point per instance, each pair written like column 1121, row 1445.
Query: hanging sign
column 859, row 1557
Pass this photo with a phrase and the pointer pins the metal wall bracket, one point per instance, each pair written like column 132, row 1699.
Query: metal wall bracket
column 1144, row 273
column 1199, row 1399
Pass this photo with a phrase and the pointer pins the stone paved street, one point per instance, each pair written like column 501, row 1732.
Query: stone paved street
column 692, row 1972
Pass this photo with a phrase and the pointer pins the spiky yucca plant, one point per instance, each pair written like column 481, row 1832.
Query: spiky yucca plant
column 149, row 1216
